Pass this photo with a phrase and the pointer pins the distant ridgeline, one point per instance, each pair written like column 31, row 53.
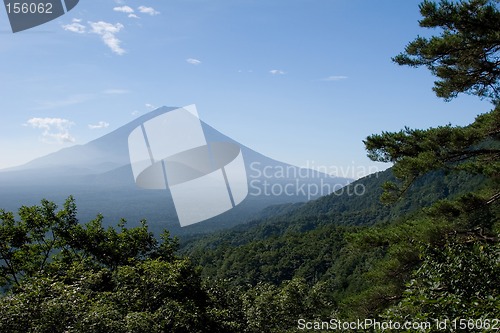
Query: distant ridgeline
column 343, row 208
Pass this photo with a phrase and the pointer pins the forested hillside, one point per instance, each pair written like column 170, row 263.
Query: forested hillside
column 420, row 244
column 355, row 253
column 358, row 204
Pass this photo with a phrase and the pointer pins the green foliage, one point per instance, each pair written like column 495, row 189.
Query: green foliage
column 150, row 296
column 474, row 149
column 110, row 247
column 25, row 248
column 455, row 245
column 459, row 274
column 466, row 55
column 68, row 277
column 459, row 280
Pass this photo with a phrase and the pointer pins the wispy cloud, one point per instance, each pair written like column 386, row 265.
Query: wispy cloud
column 99, row 125
column 68, row 101
column 150, row 106
column 55, row 130
column 124, row 9
column 108, row 32
column 277, row 72
column 335, row 78
column 75, row 26
column 116, row 91
column 127, row 10
column 193, row 61
column 148, row 10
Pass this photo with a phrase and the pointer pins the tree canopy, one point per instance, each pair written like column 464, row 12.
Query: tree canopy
column 62, row 276
column 465, row 56
column 456, row 274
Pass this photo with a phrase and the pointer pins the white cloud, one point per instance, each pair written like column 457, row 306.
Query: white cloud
column 47, row 123
column 193, row 61
column 133, row 16
column 108, row 32
column 277, row 72
column 61, row 137
column 99, row 125
column 135, row 113
column 55, row 130
column 335, row 78
column 116, row 91
column 124, row 9
column 150, row 106
column 148, row 10
column 75, row 26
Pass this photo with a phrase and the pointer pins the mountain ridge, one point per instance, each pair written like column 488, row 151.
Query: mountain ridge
column 99, row 175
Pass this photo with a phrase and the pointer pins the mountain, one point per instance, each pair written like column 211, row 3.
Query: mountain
column 100, row 177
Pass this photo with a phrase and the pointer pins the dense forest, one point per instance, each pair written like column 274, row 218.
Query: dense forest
column 421, row 245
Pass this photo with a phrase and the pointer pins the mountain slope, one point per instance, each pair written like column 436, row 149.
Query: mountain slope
column 357, row 204
column 327, row 245
column 98, row 174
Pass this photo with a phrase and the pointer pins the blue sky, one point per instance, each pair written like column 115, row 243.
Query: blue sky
column 301, row 81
